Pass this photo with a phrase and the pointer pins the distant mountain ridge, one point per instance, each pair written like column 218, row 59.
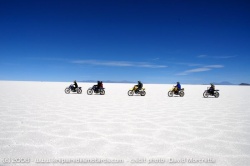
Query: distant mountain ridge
column 246, row 84
column 125, row 81
column 109, row 81
column 224, row 83
column 229, row 83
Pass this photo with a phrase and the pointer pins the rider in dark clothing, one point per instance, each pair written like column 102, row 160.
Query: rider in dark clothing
column 98, row 86
column 75, row 85
column 211, row 89
column 101, row 85
column 139, row 86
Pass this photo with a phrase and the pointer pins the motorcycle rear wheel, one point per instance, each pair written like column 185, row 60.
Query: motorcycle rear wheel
column 79, row 91
column 181, row 93
column 102, row 92
column 216, row 94
column 143, row 93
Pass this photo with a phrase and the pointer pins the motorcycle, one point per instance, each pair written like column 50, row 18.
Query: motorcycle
column 72, row 89
column 207, row 93
column 94, row 89
column 173, row 92
column 134, row 90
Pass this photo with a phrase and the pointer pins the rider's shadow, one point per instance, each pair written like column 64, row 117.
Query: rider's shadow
column 209, row 97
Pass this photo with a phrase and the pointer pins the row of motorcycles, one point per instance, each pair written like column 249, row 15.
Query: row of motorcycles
column 142, row 92
column 90, row 91
column 206, row 93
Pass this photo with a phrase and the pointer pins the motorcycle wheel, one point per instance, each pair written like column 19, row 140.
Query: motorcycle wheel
column 79, row 91
column 89, row 91
column 130, row 93
column 205, row 94
column 216, row 94
column 181, row 93
column 170, row 93
column 102, row 92
column 67, row 90
column 143, row 93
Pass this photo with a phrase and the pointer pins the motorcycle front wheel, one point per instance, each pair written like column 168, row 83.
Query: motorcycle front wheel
column 130, row 93
column 205, row 94
column 89, row 91
column 170, row 93
column 67, row 90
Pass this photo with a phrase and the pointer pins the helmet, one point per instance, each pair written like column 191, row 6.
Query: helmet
column 178, row 82
column 74, row 80
column 212, row 84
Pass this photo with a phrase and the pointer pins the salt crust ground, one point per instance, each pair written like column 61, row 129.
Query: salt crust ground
column 39, row 121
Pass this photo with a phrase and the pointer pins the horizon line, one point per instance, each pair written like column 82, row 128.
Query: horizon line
column 120, row 82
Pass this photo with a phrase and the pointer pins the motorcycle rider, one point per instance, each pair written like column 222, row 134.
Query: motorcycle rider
column 211, row 89
column 177, row 87
column 139, row 86
column 75, row 85
column 98, row 86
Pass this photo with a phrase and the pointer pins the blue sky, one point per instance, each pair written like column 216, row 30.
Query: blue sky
column 149, row 40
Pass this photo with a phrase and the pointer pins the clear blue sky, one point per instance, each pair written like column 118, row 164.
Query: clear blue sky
column 194, row 41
